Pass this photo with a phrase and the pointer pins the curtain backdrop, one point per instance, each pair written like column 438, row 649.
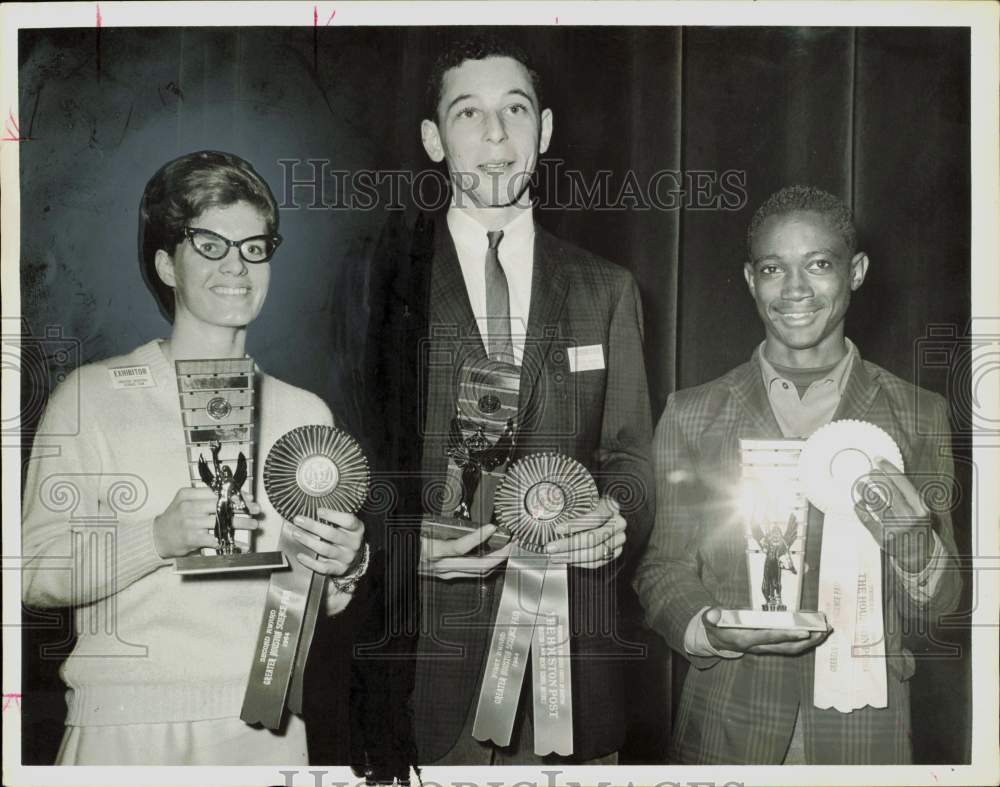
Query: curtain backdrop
column 877, row 115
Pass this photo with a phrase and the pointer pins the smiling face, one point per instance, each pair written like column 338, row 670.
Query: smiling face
column 801, row 277
column 489, row 129
column 225, row 293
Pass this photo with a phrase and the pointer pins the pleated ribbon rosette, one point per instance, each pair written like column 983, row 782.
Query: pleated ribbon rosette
column 308, row 468
column 539, row 492
column 850, row 664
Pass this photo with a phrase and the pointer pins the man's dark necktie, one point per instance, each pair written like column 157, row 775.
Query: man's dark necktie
column 498, row 341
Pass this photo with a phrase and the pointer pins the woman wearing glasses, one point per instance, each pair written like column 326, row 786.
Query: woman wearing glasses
column 161, row 662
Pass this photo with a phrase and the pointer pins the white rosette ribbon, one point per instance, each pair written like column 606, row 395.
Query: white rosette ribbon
column 850, row 665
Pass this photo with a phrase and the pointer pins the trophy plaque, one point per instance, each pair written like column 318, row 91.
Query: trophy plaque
column 775, row 522
column 539, row 492
column 217, row 411
column 308, row 468
column 480, row 445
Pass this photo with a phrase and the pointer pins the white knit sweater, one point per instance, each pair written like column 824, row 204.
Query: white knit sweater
column 153, row 646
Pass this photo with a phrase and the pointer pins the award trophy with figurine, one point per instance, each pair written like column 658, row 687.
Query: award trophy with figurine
column 775, row 524
column 480, row 445
column 217, row 411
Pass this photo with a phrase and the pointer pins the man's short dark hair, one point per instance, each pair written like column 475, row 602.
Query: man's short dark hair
column 476, row 47
column 182, row 190
column 795, row 198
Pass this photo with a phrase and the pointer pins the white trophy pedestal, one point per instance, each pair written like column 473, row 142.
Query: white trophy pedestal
column 761, row 619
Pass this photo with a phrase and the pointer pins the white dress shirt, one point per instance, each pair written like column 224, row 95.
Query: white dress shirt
column 516, row 254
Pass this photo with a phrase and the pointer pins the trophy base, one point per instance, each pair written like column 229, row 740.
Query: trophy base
column 446, row 527
column 228, row 564
column 759, row 619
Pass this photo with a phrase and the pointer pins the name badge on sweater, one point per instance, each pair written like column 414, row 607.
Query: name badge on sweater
column 131, row 377
column 585, row 359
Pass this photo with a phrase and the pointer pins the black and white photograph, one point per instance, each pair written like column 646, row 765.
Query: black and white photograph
column 500, row 393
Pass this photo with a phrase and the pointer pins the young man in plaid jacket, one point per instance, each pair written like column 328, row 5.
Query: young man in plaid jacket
column 749, row 695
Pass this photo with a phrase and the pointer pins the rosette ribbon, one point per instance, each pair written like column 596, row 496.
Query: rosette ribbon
column 850, row 664
column 538, row 493
column 308, row 468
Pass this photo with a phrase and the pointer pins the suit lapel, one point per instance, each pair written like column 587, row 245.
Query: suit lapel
column 449, row 339
column 859, row 393
column 549, row 286
column 748, row 391
column 451, row 309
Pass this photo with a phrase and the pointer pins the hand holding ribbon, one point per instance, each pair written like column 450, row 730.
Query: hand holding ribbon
column 336, row 537
column 590, row 540
column 890, row 507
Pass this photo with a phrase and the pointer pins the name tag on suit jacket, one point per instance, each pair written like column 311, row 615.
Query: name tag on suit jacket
column 585, row 359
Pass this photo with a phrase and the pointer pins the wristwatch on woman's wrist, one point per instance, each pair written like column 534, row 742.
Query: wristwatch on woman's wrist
column 349, row 581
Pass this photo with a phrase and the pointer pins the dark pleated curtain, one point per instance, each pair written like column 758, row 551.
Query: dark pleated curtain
column 879, row 116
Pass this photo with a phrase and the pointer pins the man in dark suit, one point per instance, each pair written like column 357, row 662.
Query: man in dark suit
column 484, row 280
column 749, row 697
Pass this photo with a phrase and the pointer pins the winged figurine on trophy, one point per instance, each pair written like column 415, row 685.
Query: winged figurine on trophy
column 227, row 485
column 473, row 455
column 776, row 546
column 218, row 413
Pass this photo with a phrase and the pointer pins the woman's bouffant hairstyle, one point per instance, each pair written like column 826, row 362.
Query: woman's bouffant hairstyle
column 181, row 191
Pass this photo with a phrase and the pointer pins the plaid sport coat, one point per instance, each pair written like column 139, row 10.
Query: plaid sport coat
column 743, row 711
column 600, row 417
